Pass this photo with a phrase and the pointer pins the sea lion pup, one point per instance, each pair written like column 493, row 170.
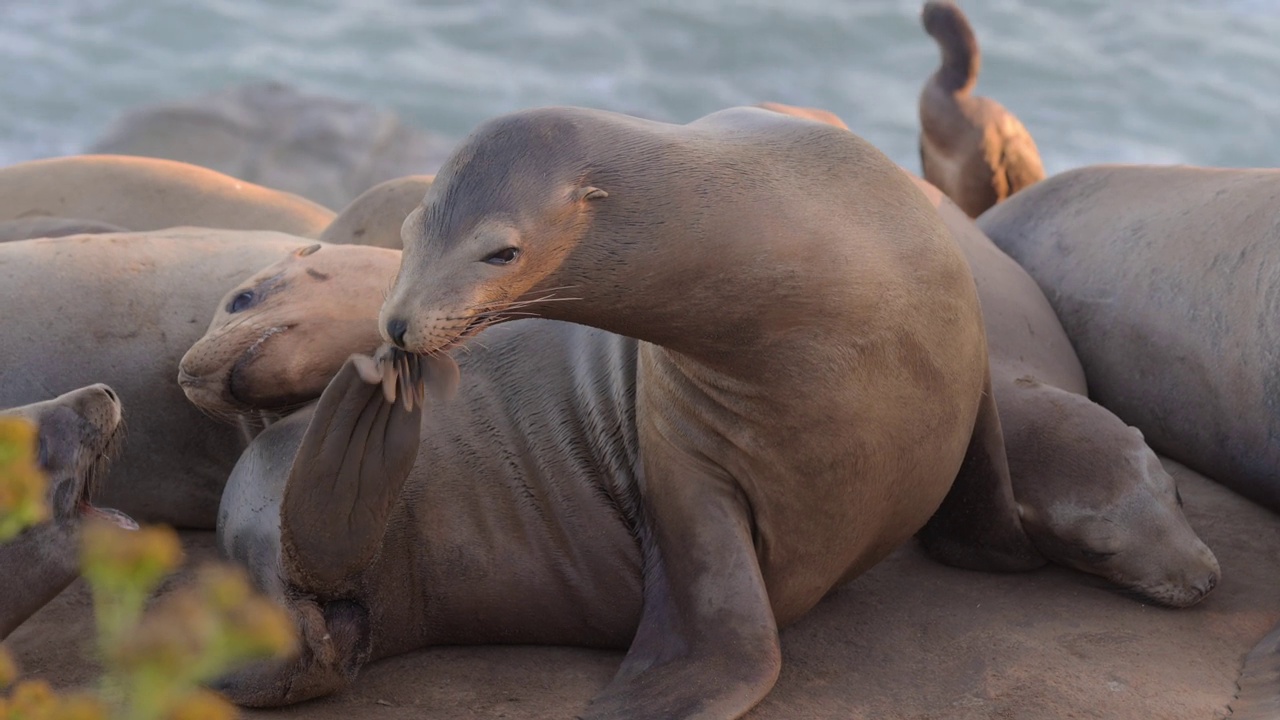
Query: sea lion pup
column 971, row 147
column 152, row 194
column 39, row 226
column 376, row 216
column 1167, row 281
column 78, row 432
column 122, row 309
column 811, row 379
column 1093, row 495
column 279, row 337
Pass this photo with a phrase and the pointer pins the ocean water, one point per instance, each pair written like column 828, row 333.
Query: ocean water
column 1165, row 81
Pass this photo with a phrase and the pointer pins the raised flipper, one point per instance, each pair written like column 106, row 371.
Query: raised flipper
column 978, row 525
column 348, row 472
column 707, row 644
column 1258, row 697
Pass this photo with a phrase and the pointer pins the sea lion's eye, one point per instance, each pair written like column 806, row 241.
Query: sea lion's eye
column 240, row 302
column 1095, row 557
column 505, row 256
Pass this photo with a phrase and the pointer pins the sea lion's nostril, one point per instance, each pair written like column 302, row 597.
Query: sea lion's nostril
column 396, row 328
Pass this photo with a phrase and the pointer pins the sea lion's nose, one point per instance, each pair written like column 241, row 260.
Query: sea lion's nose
column 396, row 328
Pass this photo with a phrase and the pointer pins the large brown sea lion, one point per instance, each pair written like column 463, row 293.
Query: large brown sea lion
column 376, row 216
column 77, row 434
column 122, row 309
column 971, row 147
column 151, row 194
column 810, row 379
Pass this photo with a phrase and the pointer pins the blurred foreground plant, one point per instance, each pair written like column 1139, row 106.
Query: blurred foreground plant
column 153, row 662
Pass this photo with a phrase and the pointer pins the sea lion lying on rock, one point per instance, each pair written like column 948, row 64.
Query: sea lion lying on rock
column 151, row 194
column 599, row 446
column 122, row 309
column 78, row 433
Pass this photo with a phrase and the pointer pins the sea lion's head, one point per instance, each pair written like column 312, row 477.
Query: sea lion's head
column 277, row 339
column 1096, row 498
column 77, row 435
column 492, row 236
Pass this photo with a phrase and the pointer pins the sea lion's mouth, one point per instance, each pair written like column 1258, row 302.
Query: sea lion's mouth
column 85, row 511
column 238, row 390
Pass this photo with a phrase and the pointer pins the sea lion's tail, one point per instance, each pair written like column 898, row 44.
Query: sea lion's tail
column 1258, row 694
column 961, row 57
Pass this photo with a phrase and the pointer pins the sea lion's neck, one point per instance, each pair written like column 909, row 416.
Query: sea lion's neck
column 961, row 58
column 700, row 285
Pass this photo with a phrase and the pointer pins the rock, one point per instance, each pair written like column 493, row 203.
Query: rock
column 326, row 149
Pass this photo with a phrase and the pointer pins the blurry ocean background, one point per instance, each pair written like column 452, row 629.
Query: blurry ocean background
column 1165, row 81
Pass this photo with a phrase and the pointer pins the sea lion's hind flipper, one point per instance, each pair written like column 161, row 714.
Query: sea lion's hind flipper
column 978, row 525
column 1258, row 693
column 347, row 474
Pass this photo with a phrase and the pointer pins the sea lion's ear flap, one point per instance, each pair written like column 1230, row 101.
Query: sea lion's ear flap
column 303, row 252
column 591, row 193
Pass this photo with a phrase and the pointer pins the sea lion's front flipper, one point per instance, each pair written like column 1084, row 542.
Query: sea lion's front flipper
column 349, row 469
column 707, row 644
column 1258, row 697
column 978, row 524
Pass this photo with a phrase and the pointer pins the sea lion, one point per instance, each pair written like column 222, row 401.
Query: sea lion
column 1092, row 495
column 1167, row 281
column 971, row 147
column 278, row 338
column 151, row 194
column 375, row 217
column 801, row 409
column 122, row 309
column 38, row 226
column 78, row 433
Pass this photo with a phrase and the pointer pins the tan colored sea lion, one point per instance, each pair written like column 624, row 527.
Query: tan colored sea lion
column 78, row 433
column 39, row 226
column 151, row 194
column 971, row 147
column 376, row 216
column 122, row 309
column 1167, row 281
column 278, row 338
column 803, row 404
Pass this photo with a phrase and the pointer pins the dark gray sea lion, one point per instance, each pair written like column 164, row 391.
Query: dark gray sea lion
column 77, row 434
column 971, row 147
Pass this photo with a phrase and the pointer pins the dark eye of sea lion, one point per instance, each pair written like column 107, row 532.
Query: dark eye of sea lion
column 1095, row 557
column 505, row 256
column 241, row 301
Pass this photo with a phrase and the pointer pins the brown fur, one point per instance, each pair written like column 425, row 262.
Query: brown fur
column 151, row 194
column 971, row 147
